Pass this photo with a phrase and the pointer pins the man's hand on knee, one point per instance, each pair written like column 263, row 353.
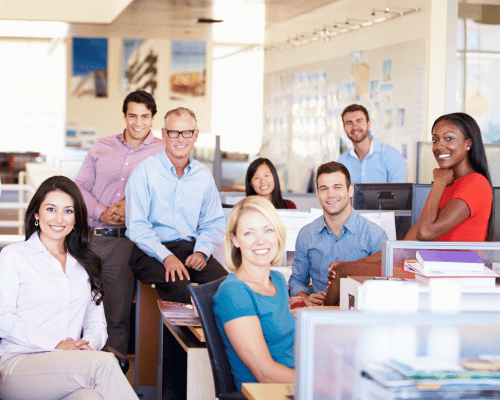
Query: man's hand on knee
column 196, row 261
column 174, row 266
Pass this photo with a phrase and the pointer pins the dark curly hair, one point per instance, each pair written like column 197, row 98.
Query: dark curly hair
column 77, row 242
column 140, row 97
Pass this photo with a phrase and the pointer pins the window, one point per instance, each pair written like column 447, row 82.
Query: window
column 33, row 100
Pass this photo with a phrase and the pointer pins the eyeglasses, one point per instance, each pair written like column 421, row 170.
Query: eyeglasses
column 185, row 134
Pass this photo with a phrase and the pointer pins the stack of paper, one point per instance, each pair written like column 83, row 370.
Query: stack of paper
column 485, row 277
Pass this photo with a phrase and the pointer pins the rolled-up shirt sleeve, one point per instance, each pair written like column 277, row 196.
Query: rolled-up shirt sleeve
column 85, row 181
column 212, row 223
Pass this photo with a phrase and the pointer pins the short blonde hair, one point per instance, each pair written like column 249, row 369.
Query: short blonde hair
column 263, row 206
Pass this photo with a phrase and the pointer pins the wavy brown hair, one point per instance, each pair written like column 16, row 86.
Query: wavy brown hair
column 77, row 242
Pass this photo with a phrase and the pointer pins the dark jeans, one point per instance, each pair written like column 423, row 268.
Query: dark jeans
column 149, row 270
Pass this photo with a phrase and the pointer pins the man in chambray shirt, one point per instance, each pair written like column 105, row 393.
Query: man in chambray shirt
column 102, row 179
column 369, row 160
column 340, row 234
column 174, row 214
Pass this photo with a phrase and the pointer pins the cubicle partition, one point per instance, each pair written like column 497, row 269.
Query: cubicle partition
column 426, row 162
column 394, row 253
column 303, row 201
column 338, row 351
column 421, row 191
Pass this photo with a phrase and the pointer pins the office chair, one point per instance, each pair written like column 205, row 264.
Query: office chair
column 203, row 295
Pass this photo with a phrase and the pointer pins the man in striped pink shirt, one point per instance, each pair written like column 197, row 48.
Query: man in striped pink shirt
column 102, row 180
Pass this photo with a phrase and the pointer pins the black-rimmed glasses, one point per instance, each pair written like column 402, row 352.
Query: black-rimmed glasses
column 185, row 134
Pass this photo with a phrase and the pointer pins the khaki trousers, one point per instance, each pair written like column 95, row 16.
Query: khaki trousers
column 78, row 374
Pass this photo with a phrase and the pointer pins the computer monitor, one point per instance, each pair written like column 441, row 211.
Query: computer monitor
column 496, row 213
column 419, row 195
column 388, row 197
column 382, row 196
column 421, row 191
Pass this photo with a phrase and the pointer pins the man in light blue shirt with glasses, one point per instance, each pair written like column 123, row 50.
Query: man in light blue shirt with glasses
column 174, row 214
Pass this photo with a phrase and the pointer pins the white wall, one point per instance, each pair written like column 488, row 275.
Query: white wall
column 105, row 114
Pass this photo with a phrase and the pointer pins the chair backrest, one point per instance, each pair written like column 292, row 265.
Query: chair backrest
column 203, row 296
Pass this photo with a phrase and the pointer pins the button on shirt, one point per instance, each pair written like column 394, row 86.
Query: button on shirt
column 383, row 163
column 106, row 170
column 40, row 305
column 161, row 207
column 317, row 247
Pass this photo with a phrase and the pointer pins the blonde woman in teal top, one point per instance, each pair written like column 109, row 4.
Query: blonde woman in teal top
column 252, row 306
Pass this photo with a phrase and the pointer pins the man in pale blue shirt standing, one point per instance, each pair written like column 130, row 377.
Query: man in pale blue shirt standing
column 340, row 234
column 174, row 214
column 368, row 160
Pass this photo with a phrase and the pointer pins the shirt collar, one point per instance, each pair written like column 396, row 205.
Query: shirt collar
column 34, row 245
column 350, row 224
column 168, row 164
column 375, row 145
column 149, row 139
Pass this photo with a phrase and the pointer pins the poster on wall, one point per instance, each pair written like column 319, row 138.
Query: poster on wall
column 90, row 67
column 188, row 69
column 139, row 65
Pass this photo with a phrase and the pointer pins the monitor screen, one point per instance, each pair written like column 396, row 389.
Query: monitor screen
column 420, row 193
column 386, row 196
column 496, row 213
column 382, row 196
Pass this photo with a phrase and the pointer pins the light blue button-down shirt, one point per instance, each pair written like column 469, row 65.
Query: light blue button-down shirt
column 383, row 163
column 317, row 246
column 161, row 207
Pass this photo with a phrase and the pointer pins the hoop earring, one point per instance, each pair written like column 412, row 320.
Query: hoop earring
column 36, row 222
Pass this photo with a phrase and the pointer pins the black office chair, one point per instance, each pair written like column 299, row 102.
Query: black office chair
column 203, row 295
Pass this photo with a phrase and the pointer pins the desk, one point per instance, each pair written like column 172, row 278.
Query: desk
column 189, row 376
column 265, row 391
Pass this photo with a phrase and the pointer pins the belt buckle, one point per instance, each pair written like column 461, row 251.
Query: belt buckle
column 96, row 233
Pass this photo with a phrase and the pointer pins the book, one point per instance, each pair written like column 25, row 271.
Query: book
column 444, row 260
column 178, row 313
column 486, row 277
column 463, row 281
column 428, row 368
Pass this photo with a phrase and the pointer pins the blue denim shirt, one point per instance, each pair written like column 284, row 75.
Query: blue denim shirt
column 317, row 247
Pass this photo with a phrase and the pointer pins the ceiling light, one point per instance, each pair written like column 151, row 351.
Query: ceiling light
column 208, row 21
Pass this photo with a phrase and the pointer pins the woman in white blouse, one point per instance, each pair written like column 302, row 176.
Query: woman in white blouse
column 51, row 313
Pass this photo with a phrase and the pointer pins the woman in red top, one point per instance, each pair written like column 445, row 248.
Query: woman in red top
column 262, row 180
column 458, row 208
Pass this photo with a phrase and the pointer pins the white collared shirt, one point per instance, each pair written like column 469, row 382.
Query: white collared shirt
column 40, row 305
